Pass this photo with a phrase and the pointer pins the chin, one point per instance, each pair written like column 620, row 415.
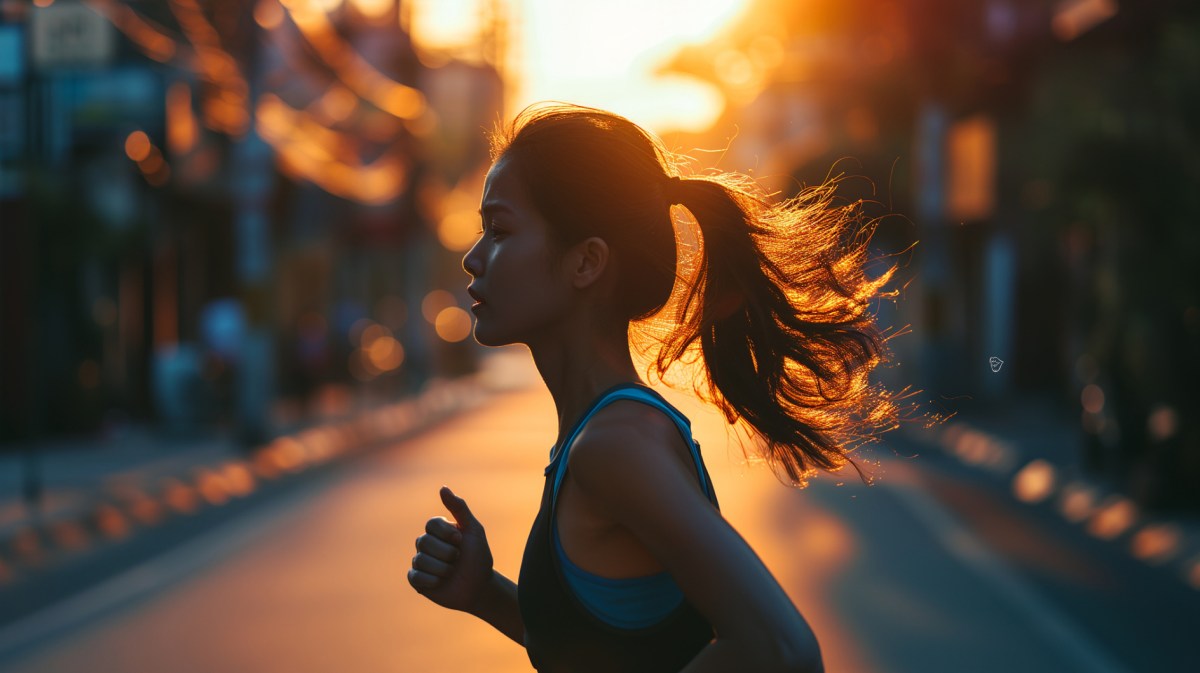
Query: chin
column 484, row 337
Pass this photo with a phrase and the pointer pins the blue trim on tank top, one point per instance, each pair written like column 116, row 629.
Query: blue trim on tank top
column 638, row 393
column 632, row 602
column 626, row 602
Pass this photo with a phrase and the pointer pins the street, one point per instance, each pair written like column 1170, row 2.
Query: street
column 892, row 579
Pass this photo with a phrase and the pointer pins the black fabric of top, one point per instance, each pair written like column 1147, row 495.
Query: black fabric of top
column 561, row 636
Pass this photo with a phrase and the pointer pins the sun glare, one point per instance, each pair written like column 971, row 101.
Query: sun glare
column 603, row 54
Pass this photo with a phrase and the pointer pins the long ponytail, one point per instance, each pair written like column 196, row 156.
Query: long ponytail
column 774, row 305
column 779, row 311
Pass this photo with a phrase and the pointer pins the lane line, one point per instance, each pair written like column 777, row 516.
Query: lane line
column 1076, row 646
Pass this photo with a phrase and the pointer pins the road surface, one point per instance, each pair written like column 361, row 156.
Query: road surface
column 921, row 572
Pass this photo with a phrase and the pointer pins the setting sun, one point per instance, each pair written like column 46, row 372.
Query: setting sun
column 600, row 54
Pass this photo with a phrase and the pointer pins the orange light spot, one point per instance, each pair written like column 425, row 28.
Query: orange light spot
column 337, row 104
column 373, row 9
column 373, row 333
column 459, row 230
column 356, row 330
column 265, row 464
column 152, row 162
column 211, row 487
column 951, row 434
column 1077, row 502
column 1072, row 18
column 1092, row 398
column 1114, row 517
column 179, row 496
column 238, row 479
column 453, row 324
column 145, row 510
column 182, row 131
column 289, row 453
column 386, row 353
column 268, row 14
column 111, row 522
column 137, row 146
column 972, row 447
column 1162, row 423
column 315, row 444
column 1156, row 544
column 1034, row 482
column 434, row 303
column 160, row 176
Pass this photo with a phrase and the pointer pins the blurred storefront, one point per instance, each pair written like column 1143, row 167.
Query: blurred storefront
column 226, row 214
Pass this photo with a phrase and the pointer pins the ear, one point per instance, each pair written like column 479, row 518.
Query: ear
column 585, row 262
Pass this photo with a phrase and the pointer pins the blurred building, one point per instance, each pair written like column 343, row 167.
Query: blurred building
column 227, row 213
column 1041, row 157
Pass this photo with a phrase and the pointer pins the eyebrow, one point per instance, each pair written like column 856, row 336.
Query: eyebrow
column 493, row 206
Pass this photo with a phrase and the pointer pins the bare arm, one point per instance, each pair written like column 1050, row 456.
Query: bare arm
column 627, row 471
column 498, row 606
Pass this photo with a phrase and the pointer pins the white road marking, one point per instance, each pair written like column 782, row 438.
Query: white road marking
column 1076, row 646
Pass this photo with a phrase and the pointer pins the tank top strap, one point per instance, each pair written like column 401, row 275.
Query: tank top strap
column 637, row 393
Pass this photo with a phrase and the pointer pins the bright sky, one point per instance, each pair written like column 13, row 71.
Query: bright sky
column 598, row 53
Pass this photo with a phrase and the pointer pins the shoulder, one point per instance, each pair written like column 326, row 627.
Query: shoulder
column 634, row 445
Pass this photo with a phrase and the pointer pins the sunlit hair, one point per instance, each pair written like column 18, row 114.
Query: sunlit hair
column 773, row 298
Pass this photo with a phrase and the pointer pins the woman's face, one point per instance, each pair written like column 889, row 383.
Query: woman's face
column 515, row 283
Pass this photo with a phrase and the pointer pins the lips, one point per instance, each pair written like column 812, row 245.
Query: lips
column 475, row 295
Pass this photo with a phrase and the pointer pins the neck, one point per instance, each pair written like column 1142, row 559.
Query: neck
column 579, row 365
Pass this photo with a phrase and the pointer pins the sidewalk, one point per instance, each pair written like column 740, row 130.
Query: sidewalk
column 1035, row 454
column 107, row 490
column 72, row 472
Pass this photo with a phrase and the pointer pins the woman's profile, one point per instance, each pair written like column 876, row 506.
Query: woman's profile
column 629, row 565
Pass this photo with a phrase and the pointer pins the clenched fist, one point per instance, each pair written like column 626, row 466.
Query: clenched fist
column 453, row 563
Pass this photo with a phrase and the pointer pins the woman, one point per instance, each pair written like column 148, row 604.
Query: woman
column 629, row 565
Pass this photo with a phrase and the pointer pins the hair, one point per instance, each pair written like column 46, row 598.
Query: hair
column 773, row 299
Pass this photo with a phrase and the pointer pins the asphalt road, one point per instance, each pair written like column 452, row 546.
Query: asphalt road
column 928, row 570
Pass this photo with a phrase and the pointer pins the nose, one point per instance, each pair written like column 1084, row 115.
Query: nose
column 473, row 261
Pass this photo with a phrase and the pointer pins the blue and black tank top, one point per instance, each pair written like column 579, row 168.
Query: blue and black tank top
column 578, row 622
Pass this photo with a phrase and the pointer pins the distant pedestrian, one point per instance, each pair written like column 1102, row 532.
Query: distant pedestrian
column 629, row 565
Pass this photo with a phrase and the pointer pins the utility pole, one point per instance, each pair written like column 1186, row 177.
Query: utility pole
column 252, row 161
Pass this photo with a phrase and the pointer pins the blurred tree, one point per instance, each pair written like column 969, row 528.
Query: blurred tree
column 1116, row 128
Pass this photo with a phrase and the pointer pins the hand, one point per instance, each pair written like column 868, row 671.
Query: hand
column 453, row 564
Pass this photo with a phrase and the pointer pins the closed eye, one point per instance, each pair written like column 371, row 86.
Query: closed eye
column 497, row 232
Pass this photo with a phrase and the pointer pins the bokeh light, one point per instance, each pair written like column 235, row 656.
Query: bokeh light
column 434, row 303
column 137, row 146
column 1092, row 398
column 453, row 324
column 1035, row 481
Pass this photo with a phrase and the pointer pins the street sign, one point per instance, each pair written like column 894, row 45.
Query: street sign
column 69, row 34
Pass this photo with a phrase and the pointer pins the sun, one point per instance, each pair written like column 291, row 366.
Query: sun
column 602, row 54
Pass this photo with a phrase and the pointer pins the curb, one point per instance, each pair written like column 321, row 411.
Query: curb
column 117, row 514
column 1171, row 544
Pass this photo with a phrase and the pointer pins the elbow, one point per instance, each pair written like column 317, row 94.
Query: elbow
column 798, row 654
